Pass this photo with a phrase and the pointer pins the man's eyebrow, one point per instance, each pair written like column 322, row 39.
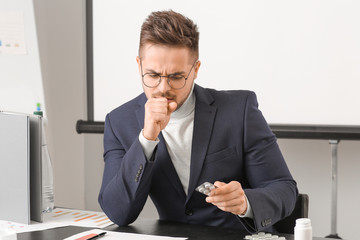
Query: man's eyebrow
column 151, row 71
column 147, row 70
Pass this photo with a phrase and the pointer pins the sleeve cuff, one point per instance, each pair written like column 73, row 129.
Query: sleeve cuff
column 249, row 213
column 147, row 145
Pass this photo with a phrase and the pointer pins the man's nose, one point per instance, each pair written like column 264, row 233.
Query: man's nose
column 164, row 85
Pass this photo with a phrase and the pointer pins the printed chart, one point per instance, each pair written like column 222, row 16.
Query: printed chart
column 80, row 218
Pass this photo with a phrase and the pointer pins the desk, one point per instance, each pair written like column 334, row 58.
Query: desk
column 151, row 227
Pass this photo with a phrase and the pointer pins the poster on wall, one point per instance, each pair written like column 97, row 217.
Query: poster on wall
column 12, row 33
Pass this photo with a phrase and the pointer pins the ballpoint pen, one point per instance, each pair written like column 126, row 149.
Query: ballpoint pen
column 97, row 236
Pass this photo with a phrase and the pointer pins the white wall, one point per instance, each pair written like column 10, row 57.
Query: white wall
column 280, row 49
column 78, row 158
column 20, row 74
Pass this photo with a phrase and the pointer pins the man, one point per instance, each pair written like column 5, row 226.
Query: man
column 177, row 135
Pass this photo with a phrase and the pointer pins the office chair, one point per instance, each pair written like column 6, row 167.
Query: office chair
column 301, row 210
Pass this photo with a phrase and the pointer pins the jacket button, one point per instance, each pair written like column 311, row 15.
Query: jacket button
column 137, row 177
column 188, row 212
column 266, row 222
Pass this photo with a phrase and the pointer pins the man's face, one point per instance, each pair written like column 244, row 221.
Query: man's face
column 165, row 60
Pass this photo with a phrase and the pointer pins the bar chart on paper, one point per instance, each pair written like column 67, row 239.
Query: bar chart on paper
column 79, row 218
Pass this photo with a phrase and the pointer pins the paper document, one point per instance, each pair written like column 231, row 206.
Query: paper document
column 12, row 33
column 61, row 217
column 110, row 235
column 79, row 218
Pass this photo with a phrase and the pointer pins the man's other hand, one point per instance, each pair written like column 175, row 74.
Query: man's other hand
column 228, row 197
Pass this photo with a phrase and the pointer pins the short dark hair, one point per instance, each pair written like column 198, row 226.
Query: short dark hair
column 170, row 28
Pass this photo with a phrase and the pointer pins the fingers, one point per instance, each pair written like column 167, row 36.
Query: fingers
column 232, row 206
column 223, row 188
column 219, row 184
column 157, row 116
column 156, row 109
column 228, row 197
column 172, row 107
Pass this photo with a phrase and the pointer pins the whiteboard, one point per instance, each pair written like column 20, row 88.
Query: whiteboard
column 302, row 58
column 20, row 73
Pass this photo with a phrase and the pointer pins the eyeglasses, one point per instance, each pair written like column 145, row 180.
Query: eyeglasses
column 175, row 81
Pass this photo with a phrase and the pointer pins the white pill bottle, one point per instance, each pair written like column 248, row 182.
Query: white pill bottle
column 303, row 229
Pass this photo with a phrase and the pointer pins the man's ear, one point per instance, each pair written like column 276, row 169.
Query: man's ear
column 139, row 64
column 196, row 68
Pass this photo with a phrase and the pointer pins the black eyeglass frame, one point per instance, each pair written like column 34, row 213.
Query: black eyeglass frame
column 168, row 79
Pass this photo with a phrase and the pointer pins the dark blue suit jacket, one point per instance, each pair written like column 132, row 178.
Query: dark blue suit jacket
column 231, row 142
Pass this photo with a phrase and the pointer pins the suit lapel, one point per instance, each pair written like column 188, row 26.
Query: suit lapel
column 203, row 126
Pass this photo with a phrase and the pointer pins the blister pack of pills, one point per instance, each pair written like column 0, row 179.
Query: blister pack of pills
column 263, row 236
column 205, row 188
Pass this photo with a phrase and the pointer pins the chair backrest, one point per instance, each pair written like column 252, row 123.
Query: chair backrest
column 301, row 210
